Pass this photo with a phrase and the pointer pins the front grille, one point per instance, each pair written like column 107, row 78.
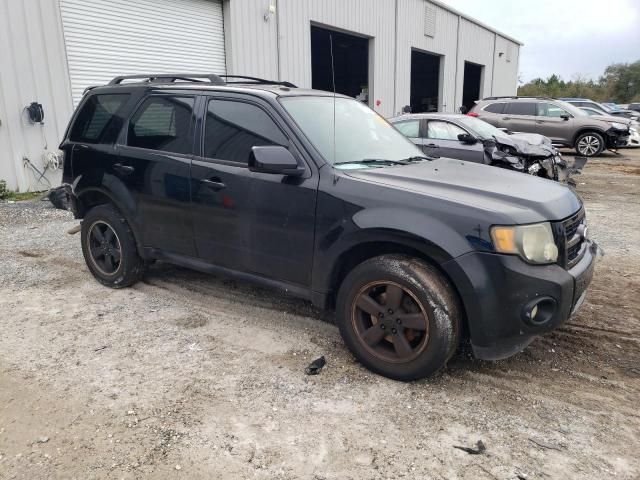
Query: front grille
column 571, row 240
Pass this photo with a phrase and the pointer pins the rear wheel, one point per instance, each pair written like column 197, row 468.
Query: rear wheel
column 589, row 144
column 109, row 248
column 399, row 316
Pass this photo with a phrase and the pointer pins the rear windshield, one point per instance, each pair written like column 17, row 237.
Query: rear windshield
column 98, row 121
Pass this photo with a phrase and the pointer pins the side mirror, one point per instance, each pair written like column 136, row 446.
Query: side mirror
column 276, row 160
column 467, row 138
column 564, row 117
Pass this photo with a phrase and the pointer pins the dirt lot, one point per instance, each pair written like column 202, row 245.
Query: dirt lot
column 191, row 376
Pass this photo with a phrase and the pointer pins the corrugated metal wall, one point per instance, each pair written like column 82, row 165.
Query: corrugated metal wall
column 33, row 68
column 278, row 45
column 252, row 42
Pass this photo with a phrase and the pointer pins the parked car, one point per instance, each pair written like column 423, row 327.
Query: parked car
column 468, row 138
column 634, row 106
column 609, row 109
column 315, row 194
column 565, row 124
column 634, row 127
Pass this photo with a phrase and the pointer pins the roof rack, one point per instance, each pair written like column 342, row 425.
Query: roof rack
column 517, row 96
column 171, row 78
column 260, row 81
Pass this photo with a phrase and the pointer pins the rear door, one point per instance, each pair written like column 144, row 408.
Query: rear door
column 442, row 140
column 520, row 117
column 154, row 163
column 554, row 122
column 412, row 129
column 253, row 222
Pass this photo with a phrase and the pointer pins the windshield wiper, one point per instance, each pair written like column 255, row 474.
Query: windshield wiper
column 374, row 161
column 417, row 158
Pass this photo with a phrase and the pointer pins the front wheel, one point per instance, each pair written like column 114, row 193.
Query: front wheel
column 589, row 144
column 399, row 316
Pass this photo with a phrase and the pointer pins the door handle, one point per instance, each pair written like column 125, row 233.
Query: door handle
column 214, row 184
column 123, row 169
column 539, row 121
column 432, row 145
column 506, row 118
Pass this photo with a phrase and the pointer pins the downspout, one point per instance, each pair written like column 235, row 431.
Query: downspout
column 493, row 63
column 455, row 81
column 395, row 61
column 278, row 40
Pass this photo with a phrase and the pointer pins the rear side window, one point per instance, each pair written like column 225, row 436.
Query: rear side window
column 495, row 108
column 232, row 128
column 99, row 120
column 410, row 128
column 164, row 124
column 521, row 108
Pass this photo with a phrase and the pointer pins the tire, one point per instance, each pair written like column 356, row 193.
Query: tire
column 124, row 268
column 427, row 302
column 589, row 144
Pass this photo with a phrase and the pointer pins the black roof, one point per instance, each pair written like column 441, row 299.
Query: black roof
column 208, row 81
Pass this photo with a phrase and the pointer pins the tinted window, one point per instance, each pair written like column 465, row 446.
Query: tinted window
column 163, row 123
column 98, row 121
column 443, row 130
column 232, row 128
column 550, row 110
column 410, row 128
column 495, row 108
column 521, row 108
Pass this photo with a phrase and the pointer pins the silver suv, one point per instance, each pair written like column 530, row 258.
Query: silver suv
column 563, row 123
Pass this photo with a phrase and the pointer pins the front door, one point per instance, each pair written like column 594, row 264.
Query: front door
column 154, row 163
column 442, row 139
column 554, row 122
column 253, row 222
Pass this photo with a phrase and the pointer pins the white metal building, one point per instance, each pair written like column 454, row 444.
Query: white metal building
column 389, row 53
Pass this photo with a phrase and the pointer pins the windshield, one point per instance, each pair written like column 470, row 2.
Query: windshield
column 360, row 133
column 481, row 128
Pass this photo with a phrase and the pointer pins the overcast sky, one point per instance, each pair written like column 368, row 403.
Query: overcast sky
column 566, row 37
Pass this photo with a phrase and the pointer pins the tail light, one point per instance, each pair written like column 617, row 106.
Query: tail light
column 472, row 114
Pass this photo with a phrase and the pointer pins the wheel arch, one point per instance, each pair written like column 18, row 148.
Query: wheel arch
column 584, row 130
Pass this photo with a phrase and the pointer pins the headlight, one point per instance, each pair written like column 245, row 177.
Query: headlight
column 619, row 126
column 534, row 243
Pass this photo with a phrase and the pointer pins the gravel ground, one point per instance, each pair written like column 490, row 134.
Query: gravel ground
column 191, row 376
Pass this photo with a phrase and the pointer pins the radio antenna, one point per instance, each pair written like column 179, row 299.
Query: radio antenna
column 333, row 81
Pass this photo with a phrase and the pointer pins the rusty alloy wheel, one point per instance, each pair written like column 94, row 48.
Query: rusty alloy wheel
column 390, row 321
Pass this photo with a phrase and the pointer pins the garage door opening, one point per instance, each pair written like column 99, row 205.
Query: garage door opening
column 425, row 82
column 472, row 84
column 350, row 58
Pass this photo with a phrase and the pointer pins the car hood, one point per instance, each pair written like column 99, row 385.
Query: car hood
column 513, row 197
column 527, row 144
column 609, row 118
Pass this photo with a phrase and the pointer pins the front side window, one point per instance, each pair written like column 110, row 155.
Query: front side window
column 164, row 124
column 232, row 128
column 410, row 128
column 99, row 120
column 438, row 130
column 550, row 110
column 521, row 108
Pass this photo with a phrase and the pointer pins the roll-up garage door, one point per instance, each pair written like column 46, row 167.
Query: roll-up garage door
column 107, row 38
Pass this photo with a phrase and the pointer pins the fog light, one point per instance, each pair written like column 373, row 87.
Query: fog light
column 539, row 311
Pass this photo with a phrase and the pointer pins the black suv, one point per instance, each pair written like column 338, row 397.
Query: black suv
column 317, row 195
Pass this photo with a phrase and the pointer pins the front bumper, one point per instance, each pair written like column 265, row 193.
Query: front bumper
column 496, row 289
